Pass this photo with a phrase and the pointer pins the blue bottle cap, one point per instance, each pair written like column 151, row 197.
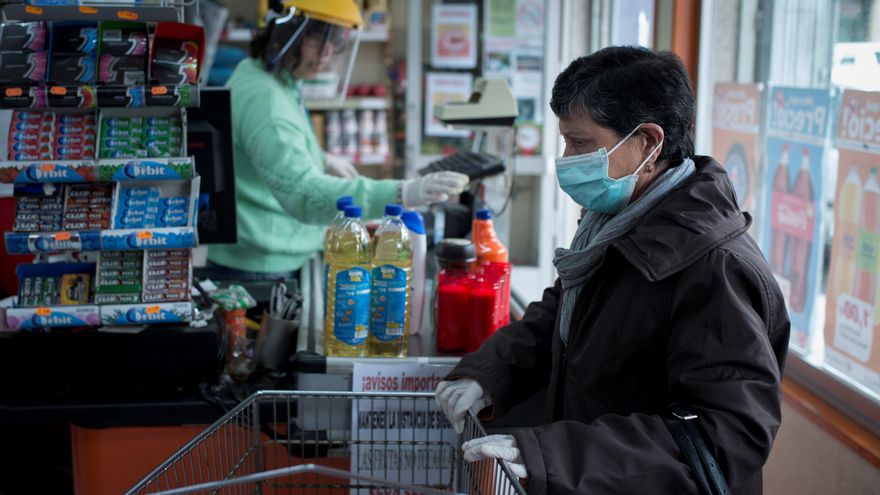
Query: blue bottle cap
column 344, row 201
column 413, row 221
column 393, row 210
column 352, row 211
column 484, row 214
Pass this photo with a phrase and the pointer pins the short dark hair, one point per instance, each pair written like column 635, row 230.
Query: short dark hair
column 620, row 87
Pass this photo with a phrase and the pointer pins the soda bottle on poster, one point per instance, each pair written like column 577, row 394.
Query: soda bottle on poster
column 869, row 242
column 800, row 248
column 848, row 217
column 779, row 240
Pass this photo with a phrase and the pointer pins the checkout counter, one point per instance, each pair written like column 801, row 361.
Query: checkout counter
column 132, row 399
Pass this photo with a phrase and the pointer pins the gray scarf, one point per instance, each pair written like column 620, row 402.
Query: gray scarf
column 596, row 231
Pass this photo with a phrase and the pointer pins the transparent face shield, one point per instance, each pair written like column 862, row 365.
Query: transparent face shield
column 318, row 53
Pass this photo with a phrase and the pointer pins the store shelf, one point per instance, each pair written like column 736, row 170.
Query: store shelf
column 375, row 36
column 93, row 12
column 372, row 160
column 103, row 170
column 107, row 240
column 356, row 103
column 52, row 317
column 90, row 96
column 50, row 242
column 146, row 313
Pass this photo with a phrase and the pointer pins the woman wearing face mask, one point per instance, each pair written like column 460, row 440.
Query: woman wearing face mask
column 286, row 186
column 662, row 299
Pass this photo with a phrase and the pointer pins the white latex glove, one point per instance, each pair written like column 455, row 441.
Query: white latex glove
column 499, row 447
column 456, row 397
column 433, row 188
column 340, row 167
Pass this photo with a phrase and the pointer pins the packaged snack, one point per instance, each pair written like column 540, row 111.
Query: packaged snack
column 22, row 67
column 76, row 119
column 72, row 68
column 124, row 70
column 165, row 296
column 124, row 41
column 69, row 130
column 74, row 288
column 117, row 298
column 75, row 140
column 23, row 36
column 74, row 38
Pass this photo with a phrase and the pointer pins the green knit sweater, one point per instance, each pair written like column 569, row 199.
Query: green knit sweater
column 284, row 200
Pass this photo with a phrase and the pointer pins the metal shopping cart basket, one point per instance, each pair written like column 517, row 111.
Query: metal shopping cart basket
column 280, row 442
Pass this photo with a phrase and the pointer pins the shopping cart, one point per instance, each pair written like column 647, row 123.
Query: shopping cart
column 278, row 442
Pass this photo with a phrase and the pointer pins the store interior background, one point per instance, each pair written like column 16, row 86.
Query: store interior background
column 828, row 442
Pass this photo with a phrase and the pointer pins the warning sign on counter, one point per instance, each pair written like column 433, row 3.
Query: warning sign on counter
column 408, row 440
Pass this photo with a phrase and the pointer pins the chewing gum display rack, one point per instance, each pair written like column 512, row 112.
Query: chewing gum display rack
column 94, row 315
column 44, row 97
column 83, row 11
column 102, row 170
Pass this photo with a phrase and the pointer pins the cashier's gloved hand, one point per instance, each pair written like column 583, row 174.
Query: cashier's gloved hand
column 433, row 188
column 498, row 447
column 340, row 167
column 457, row 397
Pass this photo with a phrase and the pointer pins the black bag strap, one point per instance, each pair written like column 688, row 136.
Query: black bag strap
column 683, row 424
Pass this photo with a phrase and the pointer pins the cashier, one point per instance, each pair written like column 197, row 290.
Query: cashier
column 286, row 186
column 662, row 298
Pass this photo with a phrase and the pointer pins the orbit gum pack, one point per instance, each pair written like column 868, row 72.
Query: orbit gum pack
column 140, row 137
column 50, row 136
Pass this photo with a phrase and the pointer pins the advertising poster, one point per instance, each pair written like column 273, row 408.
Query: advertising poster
column 514, row 51
column 736, row 122
column 454, row 36
column 405, row 440
column 442, row 88
column 852, row 330
column 797, row 131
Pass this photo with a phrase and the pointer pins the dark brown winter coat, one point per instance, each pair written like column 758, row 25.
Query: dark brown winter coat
column 683, row 309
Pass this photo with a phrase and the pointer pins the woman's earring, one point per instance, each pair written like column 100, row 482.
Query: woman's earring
column 650, row 168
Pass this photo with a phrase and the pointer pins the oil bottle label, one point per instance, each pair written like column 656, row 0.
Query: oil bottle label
column 389, row 302
column 352, row 309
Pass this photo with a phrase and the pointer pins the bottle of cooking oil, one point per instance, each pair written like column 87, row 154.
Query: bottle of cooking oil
column 347, row 319
column 392, row 279
column 330, row 238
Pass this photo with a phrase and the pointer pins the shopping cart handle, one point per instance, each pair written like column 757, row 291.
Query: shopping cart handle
column 303, row 469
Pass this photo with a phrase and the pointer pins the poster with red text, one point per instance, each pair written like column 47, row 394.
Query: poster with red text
column 852, row 329
column 454, row 36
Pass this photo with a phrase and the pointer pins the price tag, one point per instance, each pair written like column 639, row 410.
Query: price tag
column 159, row 90
column 88, row 10
column 58, row 90
column 32, row 10
column 151, row 310
column 144, row 234
column 13, row 92
column 127, row 15
column 62, row 236
column 43, row 311
column 854, row 325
